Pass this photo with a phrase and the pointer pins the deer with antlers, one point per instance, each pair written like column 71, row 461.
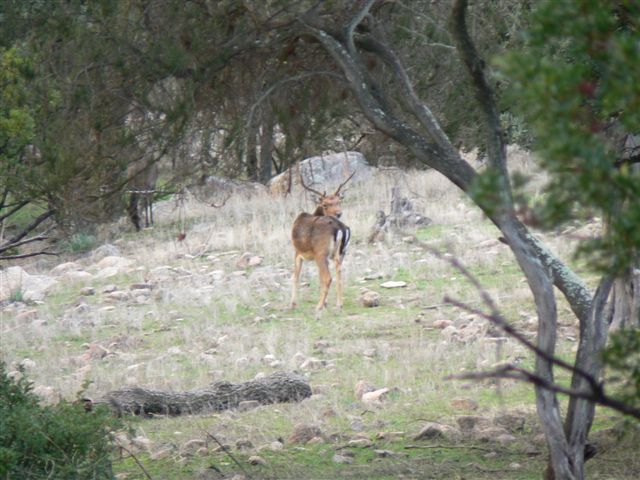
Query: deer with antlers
column 320, row 236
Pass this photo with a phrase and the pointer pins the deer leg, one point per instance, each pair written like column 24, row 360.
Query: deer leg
column 325, row 283
column 338, row 264
column 296, row 279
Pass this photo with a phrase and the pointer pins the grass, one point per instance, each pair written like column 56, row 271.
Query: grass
column 204, row 322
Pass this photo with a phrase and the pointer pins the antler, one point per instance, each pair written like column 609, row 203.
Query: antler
column 344, row 183
column 309, row 188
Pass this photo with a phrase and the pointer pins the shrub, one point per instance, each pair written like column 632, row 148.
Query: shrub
column 62, row 441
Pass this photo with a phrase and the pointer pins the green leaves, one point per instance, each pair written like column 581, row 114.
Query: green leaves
column 576, row 85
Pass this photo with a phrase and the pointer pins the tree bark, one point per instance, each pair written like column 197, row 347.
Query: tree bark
column 275, row 388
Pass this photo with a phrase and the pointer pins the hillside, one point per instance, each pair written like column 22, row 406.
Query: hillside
column 150, row 309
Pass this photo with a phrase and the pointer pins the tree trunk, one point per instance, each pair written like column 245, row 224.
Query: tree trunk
column 275, row 388
column 266, row 149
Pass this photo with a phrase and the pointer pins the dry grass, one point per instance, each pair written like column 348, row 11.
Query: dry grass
column 207, row 319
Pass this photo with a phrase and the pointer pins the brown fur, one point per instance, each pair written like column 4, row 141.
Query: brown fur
column 321, row 236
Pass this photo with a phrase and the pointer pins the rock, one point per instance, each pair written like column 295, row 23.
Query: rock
column 370, row 299
column 323, row 172
column 96, row 351
column 360, row 443
column 390, row 436
column 256, row 460
column 244, row 445
column 248, row 405
column 87, row 291
column 194, row 444
column 106, row 250
column 442, row 324
column 375, row 396
column 512, row 422
column 118, row 295
column 48, row 395
column 471, row 422
column 77, row 276
column 316, row 441
column 313, row 363
column 464, row 404
column 361, row 388
column 436, row 431
column 64, row 268
column 16, row 282
column 302, row 433
column 489, row 434
column 276, row 446
column 342, row 459
column 27, row 315
column 28, row 364
column 393, row 284
column 141, row 286
column 505, row 439
column 114, row 261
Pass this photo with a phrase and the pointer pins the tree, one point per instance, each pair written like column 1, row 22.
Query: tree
column 309, row 70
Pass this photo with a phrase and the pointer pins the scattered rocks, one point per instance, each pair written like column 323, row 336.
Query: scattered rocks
column 16, row 281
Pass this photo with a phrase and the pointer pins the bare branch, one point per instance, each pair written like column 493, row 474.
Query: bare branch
column 10, row 243
column 354, row 24
column 27, row 255
column 13, row 210
column 226, row 450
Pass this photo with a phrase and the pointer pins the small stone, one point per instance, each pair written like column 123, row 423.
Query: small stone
column 360, row 443
column 248, row 405
column 361, row 388
column 432, row 430
column 464, row 404
column 342, row 459
column 27, row 315
column 441, row 324
column 302, row 433
column 375, row 396
column 383, row 453
column 256, row 460
column 87, row 291
column 370, row 299
column 276, row 446
column 394, row 284
column 244, row 444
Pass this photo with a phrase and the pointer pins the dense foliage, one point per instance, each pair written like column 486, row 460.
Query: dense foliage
column 55, row 442
column 576, row 83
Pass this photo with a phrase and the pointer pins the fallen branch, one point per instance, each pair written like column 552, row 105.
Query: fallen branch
column 275, row 388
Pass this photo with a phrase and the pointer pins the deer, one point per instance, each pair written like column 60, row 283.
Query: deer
column 321, row 236
column 142, row 176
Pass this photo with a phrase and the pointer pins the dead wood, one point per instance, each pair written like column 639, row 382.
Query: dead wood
column 275, row 388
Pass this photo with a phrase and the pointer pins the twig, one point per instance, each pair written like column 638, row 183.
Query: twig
column 226, row 450
column 429, row 447
column 135, row 459
column 27, row 255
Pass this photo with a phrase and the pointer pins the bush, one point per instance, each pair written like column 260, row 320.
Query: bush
column 62, row 441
